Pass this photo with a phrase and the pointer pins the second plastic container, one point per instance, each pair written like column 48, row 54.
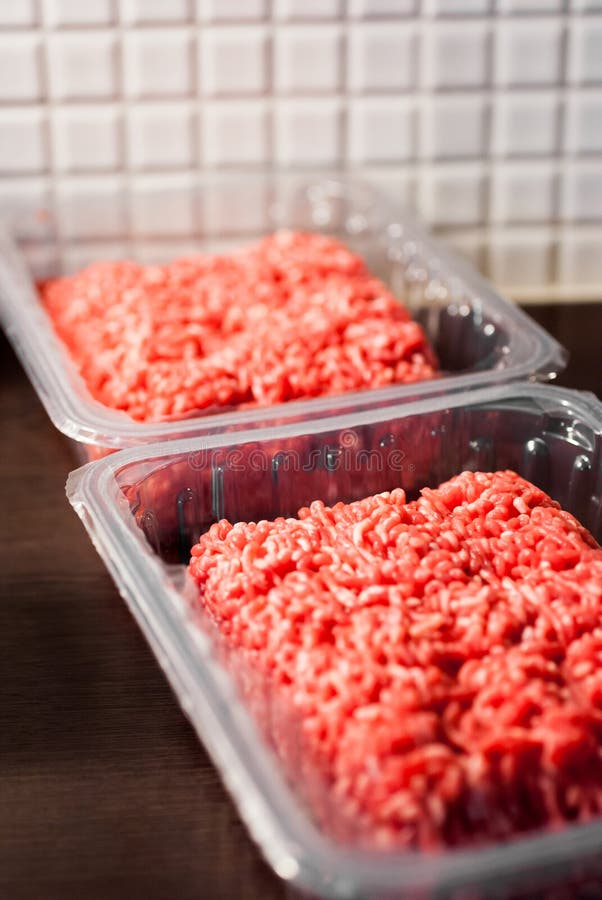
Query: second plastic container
column 481, row 338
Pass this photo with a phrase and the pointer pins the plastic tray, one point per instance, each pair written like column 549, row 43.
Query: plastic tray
column 481, row 339
column 145, row 507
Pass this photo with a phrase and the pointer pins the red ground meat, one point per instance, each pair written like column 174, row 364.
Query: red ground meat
column 444, row 655
column 295, row 315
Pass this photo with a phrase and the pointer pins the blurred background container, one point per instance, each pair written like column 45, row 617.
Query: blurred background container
column 484, row 115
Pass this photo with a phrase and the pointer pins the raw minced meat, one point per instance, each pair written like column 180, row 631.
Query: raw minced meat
column 444, row 655
column 294, row 315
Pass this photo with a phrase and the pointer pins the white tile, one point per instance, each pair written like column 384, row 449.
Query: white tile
column 523, row 194
column 375, row 9
column 22, row 141
column 397, row 186
column 585, row 5
column 233, row 61
column 452, row 196
column 145, row 12
column 530, row 6
column 468, row 244
column 76, row 257
column 163, row 205
column 25, row 203
column 579, row 259
column 67, row 13
column 82, row 66
column 235, row 133
column 583, row 131
column 382, row 130
column 307, row 59
column 157, row 63
column 159, row 251
column 86, row 138
column 381, row 57
column 17, row 13
column 453, row 127
column 308, row 132
column 307, row 9
column 529, row 53
column 159, row 136
column 456, row 55
column 234, row 208
column 25, row 197
column 525, row 125
column 521, row 258
column 457, row 7
column 91, row 207
column 585, row 51
column 582, row 192
column 19, row 68
column 232, row 10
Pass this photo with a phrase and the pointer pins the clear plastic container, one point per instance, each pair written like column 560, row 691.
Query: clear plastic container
column 480, row 338
column 145, row 507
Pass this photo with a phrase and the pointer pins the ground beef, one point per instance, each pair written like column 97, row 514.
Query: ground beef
column 295, row 315
column 444, row 655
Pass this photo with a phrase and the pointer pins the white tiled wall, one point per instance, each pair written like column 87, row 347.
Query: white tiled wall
column 486, row 115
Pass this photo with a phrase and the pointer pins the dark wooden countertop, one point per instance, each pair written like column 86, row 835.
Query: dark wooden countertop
column 105, row 790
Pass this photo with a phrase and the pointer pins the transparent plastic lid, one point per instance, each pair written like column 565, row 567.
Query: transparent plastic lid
column 481, row 339
column 145, row 507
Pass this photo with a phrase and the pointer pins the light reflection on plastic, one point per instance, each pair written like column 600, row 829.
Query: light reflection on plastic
column 321, row 214
column 356, row 224
column 286, row 868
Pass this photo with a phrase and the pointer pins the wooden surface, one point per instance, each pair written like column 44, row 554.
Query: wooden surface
column 105, row 791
